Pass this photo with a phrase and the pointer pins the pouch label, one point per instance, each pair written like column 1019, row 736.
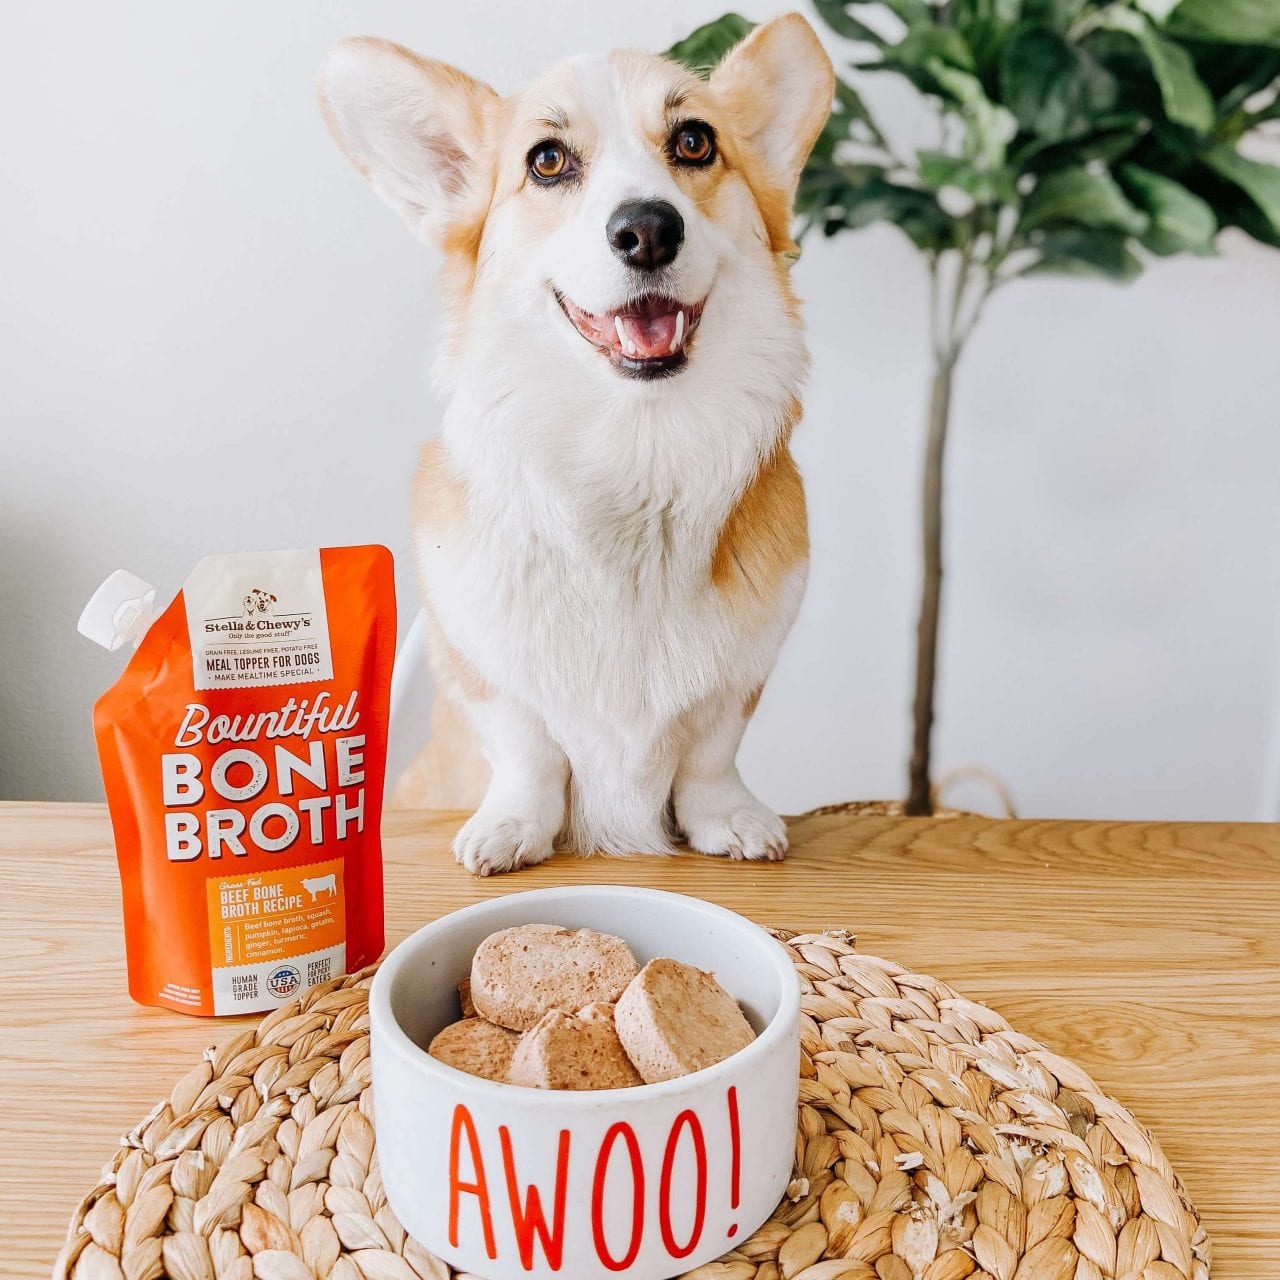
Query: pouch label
column 258, row 619
column 275, row 934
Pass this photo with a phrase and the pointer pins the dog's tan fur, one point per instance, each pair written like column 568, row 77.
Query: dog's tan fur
column 764, row 538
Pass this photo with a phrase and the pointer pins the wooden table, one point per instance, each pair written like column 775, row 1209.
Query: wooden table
column 1150, row 953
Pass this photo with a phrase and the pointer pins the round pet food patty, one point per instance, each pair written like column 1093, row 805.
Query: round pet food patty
column 476, row 1047
column 464, row 998
column 563, row 1052
column 520, row 974
column 673, row 1019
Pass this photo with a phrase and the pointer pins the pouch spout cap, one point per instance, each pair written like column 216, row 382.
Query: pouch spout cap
column 119, row 611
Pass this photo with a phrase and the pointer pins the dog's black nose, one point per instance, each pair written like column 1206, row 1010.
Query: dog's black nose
column 646, row 233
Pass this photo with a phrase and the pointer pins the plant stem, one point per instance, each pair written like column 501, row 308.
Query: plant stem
column 919, row 797
column 951, row 323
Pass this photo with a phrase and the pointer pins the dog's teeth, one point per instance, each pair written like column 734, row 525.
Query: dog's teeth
column 628, row 347
column 679, row 334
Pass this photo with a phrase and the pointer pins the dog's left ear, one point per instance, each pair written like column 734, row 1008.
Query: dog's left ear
column 414, row 127
column 778, row 84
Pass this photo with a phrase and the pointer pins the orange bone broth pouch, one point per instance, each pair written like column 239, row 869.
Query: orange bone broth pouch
column 243, row 752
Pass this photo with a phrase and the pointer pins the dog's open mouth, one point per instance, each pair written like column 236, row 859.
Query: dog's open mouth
column 645, row 339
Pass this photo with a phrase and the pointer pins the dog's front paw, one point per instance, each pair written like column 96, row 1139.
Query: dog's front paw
column 737, row 827
column 490, row 843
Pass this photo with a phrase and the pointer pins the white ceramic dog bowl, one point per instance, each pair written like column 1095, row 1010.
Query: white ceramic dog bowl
column 506, row 1182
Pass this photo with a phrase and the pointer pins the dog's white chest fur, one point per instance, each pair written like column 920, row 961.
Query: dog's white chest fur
column 600, row 619
column 591, row 604
column 596, row 605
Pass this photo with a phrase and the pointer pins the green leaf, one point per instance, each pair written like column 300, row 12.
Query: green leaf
column 1084, row 251
column 915, row 212
column 988, row 128
column 1168, row 148
column 1186, row 99
column 1260, row 182
column 929, row 44
column 1084, row 197
column 1125, row 59
column 939, row 169
column 986, row 26
column 826, row 191
column 838, row 16
column 1270, row 112
column 1230, row 21
column 1000, row 13
column 1157, row 10
column 1057, row 15
column 703, row 49
column 1234, row 72
column 915, row 13
column 1180, row 222
column 1054, row 89
column 849, row 120
column 920, row 52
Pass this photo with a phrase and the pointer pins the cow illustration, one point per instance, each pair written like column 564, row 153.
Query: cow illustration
column 259, row 604
column 319, row 884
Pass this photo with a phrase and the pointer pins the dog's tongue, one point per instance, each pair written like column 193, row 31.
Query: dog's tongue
column 648, row 335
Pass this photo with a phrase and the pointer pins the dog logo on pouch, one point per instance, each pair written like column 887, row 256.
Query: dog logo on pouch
column 284, row 981
column 260, row 619
column 259, row 604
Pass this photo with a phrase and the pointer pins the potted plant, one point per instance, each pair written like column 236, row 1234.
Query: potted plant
column 1075, row 136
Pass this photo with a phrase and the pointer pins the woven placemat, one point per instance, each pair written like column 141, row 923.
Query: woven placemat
column 933, row 1142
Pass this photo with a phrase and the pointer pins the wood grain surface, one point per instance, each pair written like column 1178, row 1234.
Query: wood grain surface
column 1149, row 953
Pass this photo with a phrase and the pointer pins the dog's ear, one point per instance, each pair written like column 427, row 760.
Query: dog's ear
column 778, row 84
column 415, row 128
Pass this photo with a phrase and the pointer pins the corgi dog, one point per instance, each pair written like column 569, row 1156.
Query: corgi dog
column 611, row 529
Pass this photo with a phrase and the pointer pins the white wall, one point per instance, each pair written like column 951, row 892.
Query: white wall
column 215, row 338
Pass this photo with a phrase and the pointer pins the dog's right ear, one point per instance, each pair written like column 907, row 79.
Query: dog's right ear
column 415, row 128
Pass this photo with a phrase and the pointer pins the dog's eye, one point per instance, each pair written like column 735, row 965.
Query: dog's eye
column 549, row 162
column 693, row 143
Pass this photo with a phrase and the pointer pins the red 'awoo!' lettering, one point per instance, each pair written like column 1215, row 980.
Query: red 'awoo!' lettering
column 618, row 1171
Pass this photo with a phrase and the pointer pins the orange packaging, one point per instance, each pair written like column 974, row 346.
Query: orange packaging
column 243, row 752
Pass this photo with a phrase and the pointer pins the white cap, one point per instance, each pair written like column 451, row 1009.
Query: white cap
column 120, row 610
